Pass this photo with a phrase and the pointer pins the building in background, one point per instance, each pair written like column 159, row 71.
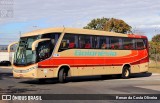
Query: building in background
column 4, row 48
column 4, row 55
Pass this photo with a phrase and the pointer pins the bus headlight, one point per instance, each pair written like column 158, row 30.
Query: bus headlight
column 25, row 71
column 32, row 68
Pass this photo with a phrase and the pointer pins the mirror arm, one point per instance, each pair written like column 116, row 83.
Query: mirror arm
column 9, row 46
column 35, row 43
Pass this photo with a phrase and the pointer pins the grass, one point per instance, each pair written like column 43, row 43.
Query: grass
column 154, row 67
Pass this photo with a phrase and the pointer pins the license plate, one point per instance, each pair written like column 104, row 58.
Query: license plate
column 21, row 75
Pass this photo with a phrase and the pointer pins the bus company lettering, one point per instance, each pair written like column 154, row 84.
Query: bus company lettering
column 94, row 53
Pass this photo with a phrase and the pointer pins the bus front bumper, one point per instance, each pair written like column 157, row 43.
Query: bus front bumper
column 35, row 73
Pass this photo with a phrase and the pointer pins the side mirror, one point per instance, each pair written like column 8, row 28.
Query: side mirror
column 35, row 43
column 9, row 46
column 9, row 50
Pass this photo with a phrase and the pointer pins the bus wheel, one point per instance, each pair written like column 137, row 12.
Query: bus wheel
column 126, row 72
column 62, row 76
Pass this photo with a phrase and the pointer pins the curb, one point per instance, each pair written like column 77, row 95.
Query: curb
column 6, row 67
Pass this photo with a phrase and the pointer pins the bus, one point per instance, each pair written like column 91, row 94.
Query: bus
column 68, row 52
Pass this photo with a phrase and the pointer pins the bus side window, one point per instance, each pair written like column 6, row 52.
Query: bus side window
column 145, row 42
column 68, row 42
column 43, row 50
column 102, row 42
column 85, row 41
column 140, row 44
column 87, row 45
column 104, row 45
column 128, row 44
column 71, row 45
column 115, row 43
column 81, row 42
column 95, row 42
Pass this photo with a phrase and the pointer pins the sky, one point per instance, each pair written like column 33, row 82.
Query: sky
column 28, row 15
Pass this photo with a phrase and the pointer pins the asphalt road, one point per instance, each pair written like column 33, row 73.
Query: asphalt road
column 138, row 84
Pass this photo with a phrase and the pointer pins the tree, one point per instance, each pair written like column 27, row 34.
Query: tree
column 107, row 24
column 155, row 43
column 118, row 26
column 155, row 47
column 97, row 24
column 156, row 38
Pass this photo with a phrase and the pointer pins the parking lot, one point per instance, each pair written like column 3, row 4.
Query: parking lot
column 138, row 84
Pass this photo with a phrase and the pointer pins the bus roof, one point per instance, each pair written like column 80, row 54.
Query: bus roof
column 79, row 31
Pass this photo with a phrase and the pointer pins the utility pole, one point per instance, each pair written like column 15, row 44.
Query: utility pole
column 20, row 34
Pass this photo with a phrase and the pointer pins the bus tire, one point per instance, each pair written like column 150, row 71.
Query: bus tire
column 126, row 72
column 62, row 75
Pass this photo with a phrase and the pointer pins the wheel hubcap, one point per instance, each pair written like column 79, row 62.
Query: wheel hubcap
column 126, row 73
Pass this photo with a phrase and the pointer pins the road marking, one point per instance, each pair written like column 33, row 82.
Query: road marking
column 151, row 87
column 155, row 74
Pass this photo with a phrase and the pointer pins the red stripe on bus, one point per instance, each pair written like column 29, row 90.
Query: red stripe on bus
column 96, row 61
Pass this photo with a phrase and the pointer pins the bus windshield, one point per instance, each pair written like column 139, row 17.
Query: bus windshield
column 24, row 54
